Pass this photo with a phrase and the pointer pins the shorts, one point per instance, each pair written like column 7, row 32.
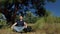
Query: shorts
column 18, row 28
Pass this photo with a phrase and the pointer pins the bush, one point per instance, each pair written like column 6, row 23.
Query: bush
column 40, row 23
column 30, row 18
column 52, row 19
column 2, row 20
column 44, row 22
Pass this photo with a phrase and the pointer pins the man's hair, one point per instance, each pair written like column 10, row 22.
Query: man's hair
column 21, row 15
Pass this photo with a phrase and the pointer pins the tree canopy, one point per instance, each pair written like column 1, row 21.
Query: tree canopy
column 11, row 7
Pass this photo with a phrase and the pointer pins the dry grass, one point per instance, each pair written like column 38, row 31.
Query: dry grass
column 47, row 29
column 11, row 32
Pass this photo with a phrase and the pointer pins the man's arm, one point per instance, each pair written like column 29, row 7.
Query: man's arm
column 13, row 25
column 25, row 24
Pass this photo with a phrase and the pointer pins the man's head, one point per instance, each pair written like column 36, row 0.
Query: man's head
column 21, row 17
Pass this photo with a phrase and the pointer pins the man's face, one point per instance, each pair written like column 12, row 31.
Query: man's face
column 21, row 17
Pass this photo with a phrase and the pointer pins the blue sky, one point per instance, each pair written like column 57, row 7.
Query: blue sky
column 54, row 8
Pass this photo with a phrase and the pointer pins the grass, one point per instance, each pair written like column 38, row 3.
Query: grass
column 45, row 25
column 4, row 31
column 47, row 29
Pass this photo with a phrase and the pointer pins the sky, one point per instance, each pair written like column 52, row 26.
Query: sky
column 54, row 8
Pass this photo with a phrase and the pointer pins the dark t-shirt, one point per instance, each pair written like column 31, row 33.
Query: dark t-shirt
column 20, row 23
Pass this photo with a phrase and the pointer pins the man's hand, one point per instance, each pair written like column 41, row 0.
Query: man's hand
column 13, row 25
column 25, row 25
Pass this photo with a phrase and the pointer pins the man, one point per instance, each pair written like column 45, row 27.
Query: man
column 19, row 25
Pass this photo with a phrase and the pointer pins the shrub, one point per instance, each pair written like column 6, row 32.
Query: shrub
column 2, row 20
column 40, row 23
column 49, row 20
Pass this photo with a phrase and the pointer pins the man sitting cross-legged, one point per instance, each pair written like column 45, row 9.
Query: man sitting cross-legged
column 20, row 25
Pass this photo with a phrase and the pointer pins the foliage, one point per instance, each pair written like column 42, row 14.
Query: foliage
column 29, row 17
column 40, row 23
column 52, row 19
column 35, row 4
column 51, row 0
column 3, row 21
column 45, row 22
